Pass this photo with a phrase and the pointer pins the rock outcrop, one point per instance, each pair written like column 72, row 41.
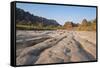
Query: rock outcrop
column 61, row 47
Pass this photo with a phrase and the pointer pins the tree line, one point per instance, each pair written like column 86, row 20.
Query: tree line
column 83, row 26
column 28, row 21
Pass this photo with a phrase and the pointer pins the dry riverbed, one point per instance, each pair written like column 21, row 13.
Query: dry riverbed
column 58, row 46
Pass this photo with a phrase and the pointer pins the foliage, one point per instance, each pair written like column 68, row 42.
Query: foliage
column 27, row 21
column 87, row 26
column 83, row 26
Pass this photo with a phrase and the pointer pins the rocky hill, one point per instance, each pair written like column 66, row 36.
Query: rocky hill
column 23, row 17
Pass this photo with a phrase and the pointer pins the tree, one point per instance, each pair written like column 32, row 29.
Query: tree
column 68, row 25
column 84, row 22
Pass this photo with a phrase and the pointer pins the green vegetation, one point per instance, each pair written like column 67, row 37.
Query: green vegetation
column 37, row 27
column 27, row 21
column 84, row 26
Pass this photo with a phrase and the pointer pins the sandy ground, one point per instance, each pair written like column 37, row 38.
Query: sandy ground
column 58, row 46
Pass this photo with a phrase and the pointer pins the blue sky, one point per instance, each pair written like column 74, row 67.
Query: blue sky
column 60, row 13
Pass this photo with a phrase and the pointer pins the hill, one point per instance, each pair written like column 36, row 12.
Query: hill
column 26, row 20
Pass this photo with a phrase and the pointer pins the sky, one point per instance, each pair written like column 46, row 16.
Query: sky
column 60, row 13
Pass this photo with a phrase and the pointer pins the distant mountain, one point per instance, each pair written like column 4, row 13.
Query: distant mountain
column 23, row 17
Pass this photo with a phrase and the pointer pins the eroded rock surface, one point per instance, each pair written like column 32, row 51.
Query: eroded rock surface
column 60, row 46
